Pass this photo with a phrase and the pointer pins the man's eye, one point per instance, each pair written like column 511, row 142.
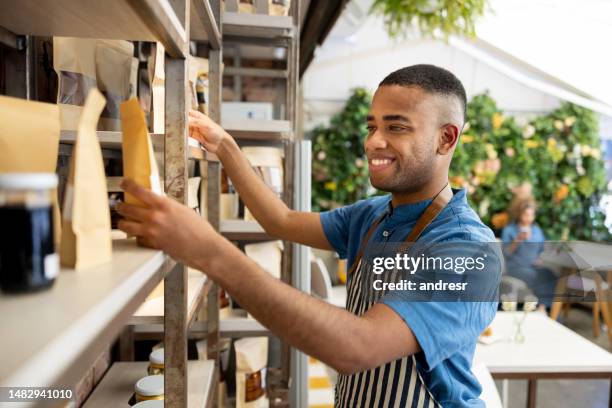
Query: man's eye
column 371, row 128
column 395, row 128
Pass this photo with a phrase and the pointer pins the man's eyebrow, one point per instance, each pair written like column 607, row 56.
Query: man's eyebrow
column 389, row 118
column 370, row 118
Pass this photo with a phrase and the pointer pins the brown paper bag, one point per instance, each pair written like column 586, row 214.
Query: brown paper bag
column 86, row 240
column 251, row 361
column 74, row 60
column 114, row 60
column 268, row 255
column 138, row 158
column 246, row 6
column 268, row 164
column 29, row 141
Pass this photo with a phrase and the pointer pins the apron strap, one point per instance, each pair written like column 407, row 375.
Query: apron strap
column 431, row 212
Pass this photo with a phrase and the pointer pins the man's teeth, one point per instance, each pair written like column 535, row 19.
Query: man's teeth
column 380, row 162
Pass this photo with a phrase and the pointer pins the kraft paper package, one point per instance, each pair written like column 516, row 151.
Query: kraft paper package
column 114, row 67
column 251, row 361
column 29, row 142
column 139, row 162
column 268, row 164
column 279, row 7
column 86, row 238
column 74, row 61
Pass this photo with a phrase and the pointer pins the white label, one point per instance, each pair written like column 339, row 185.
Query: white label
column 68, row 201
column 51, row 266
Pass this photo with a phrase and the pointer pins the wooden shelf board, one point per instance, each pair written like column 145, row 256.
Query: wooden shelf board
column 112, row 140
column 142, row 20
column 54, row 335
column 117, row 386
column 257, row 25
column 241, row 230
column 258, row 129
column 152, row 310
column 203, row 26
column 236, row 325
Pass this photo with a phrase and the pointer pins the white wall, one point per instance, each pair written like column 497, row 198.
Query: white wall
column 366, row 57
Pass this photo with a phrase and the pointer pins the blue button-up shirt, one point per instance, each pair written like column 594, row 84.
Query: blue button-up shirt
column 446, row 331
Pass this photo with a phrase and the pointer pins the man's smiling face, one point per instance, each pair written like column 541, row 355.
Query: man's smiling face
column 402, row 142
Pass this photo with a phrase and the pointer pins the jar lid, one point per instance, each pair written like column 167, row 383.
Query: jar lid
column 157, row 356
column 150, row 404
column 28, row 181
column 150, row 386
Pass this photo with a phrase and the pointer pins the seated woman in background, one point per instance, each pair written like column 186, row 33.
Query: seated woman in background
column 523, row 243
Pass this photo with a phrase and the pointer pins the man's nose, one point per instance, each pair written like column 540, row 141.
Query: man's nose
column 375, row 141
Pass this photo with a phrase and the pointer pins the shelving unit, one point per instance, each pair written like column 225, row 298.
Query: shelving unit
column 117, row 387
column 54, row 335
column 68, row 326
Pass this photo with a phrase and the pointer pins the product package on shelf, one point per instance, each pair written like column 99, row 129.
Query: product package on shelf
column 83, row 64
column 139, row 162
column 251, row 362
column 192, row 193
column 86, row 238
column 114, row 66
column 229, row 199
column 268, row 255
column 29, row 142
column 158, row 82
column 74, row 61
column 268, row 164
column 279, row 7
column 198, row 83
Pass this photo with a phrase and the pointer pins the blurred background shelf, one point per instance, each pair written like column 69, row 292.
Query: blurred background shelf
column 142, row 20
column 241, row 230
column 117, row 387
column 152, row 310
column 257, row 25
column 251, row 129
column 70, row 324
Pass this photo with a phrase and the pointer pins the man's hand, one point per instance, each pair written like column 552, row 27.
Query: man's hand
column 167, row 225
column 206, row 131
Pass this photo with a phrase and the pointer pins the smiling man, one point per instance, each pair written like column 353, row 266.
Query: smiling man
column 389, row 351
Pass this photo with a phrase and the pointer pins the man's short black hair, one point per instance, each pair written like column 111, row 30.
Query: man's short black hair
column 431, row 79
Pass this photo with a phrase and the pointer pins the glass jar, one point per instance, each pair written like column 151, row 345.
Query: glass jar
column 28, row 261
column 150, row 404
column 150, row 388
column 156, row 362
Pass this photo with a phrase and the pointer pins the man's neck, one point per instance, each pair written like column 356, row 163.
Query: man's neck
column 429, row 191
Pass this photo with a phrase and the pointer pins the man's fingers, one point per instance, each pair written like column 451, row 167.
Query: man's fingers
column 131, row 227
column 144, row 241
column 146, row 196
column 132, row 211
column 196, row 114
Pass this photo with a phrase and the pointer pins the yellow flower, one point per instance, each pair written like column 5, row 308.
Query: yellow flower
column 528, row 132
column 467, row 138
column 532, row 144
column 497, row 120
column 559, row 125
column 596, row 153
column 331, row 186
column 561, row 193
column 500, row 220
column 570, row 120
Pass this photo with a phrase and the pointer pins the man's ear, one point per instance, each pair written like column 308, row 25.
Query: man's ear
column 449, row 136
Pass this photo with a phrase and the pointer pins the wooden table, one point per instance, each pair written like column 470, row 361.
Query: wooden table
column 550, row 351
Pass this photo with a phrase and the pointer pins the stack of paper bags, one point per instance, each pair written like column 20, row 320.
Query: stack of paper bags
column 29, row 142
column 86, row 238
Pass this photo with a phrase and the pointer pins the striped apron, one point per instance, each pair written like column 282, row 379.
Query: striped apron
column 397, row 383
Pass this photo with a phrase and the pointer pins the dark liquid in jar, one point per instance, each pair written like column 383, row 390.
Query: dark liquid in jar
column 26, row 239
